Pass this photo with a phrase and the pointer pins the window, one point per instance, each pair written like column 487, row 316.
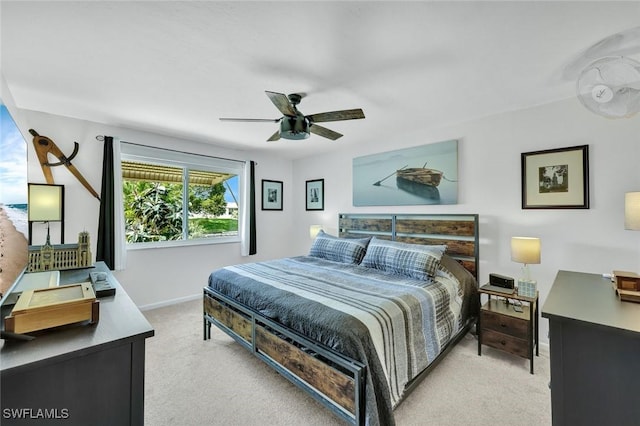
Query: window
column 176, row 198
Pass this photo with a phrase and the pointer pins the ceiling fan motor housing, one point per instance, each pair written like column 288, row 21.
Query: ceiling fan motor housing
column 294, row 128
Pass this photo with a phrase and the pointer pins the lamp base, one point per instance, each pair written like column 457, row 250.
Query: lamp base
column 527, row 288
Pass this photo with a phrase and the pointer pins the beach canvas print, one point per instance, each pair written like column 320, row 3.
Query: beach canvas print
column 426, row 174
column 13, row 201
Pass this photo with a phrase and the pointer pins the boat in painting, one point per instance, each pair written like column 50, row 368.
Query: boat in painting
column 419, row 181
column 423, row 176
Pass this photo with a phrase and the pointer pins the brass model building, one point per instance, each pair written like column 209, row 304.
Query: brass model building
column 62, row 256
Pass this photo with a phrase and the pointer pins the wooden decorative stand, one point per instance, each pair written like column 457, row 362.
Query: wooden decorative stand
column 627, row 285
column 52, row 307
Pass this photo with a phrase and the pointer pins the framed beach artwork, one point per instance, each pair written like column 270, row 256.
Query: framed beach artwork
column 13, row 201
column 556, row 178
column 271, row 194
column 425, row 174
column 314, row 197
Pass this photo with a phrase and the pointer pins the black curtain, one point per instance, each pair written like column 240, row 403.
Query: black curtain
column 253, row 249
column 106, row 224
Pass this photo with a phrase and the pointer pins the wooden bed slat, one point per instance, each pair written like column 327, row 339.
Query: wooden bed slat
column 454, row 247
column 366, row 224
column 339, row 387
column 231, row 319
column 364, row 235
column 441, row 227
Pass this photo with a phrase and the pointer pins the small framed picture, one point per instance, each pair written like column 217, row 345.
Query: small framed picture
column 271, row 194
column 315, row 194
column 556, row 178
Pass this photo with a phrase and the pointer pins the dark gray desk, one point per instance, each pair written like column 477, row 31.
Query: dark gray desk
column 79, row 374
column 595, row 352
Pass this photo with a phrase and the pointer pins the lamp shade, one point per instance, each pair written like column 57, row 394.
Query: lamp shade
column 45, row 202
column 525, row 250
column 632, row 211
column 314, row 230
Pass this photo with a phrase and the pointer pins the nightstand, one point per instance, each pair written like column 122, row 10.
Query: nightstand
column 502, row 327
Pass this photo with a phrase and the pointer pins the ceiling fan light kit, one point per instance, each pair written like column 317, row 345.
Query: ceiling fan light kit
column 296, row 126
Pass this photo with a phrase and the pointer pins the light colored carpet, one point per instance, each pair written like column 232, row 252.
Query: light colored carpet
column 217, row 382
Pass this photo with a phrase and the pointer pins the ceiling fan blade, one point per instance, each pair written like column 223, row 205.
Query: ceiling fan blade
column 281, row 102
column 274, row 137
column 252, row 120
column 347, row 114
column 324, row 132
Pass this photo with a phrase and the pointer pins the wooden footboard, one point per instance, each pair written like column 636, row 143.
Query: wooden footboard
column 331, row 378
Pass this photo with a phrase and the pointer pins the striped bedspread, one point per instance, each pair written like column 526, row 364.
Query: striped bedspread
column 395, row 325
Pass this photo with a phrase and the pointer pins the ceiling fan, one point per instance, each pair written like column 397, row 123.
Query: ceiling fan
column 295, row 125
column 607, row 80
column 610, row 87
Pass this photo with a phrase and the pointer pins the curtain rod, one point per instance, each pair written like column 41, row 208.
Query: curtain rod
column 101, row 139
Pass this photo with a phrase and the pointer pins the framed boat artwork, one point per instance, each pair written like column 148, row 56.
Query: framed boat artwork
column 425, row 174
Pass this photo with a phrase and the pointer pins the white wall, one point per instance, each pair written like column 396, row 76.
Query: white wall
column 489, row 149
column 153, row 276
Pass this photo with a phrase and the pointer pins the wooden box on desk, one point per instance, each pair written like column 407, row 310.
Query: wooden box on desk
column 52, row 307
column 627, row 285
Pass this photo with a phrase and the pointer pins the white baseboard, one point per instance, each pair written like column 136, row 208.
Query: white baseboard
column 170, row 302
column 543, row 348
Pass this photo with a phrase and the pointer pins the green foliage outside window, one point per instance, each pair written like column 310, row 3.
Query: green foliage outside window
column 154, row 211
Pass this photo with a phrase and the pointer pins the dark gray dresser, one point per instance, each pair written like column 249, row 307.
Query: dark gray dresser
column 79, row 374
column 595, row 352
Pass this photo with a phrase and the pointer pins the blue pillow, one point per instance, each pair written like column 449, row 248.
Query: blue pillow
column 411, row 260
column 344, row 250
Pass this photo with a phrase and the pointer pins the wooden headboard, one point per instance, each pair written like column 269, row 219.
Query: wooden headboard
column 458, row 231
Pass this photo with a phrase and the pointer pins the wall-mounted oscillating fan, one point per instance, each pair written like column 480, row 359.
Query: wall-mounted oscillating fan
column 295, row 125
column 610, row 87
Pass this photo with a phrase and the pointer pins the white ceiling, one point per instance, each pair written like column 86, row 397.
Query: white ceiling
column 176, row 67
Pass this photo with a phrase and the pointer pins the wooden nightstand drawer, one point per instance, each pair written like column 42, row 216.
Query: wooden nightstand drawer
column 505, row 324
column 506, row 343
column 502, row 327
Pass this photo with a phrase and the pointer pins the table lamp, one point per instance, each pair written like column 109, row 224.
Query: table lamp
column 46, row 204
column 632, row 211
column 314, row 230
column 526, row 250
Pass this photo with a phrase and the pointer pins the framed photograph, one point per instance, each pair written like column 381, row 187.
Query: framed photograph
column 271, row 194
column 315, row 194
column 556, row 178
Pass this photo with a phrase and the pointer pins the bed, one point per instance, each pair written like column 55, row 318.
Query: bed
column 363, row 318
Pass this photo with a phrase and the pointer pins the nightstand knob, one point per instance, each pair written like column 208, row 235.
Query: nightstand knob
column 503, row 343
